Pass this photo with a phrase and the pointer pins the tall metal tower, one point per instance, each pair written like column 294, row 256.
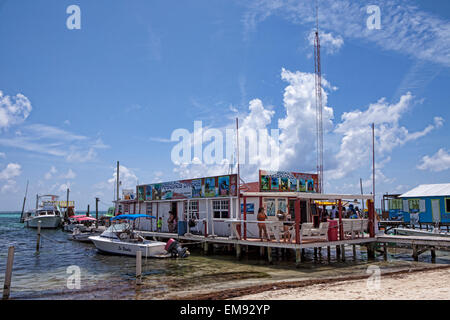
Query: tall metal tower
column 318, row 86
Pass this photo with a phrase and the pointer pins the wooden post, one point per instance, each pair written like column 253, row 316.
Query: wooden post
column 341, row 229
column 8, row 273
column 371, row 209
column 343, row 251
column 138, row 267
column 67, row 205
column 298, row 257
column 38, row 241
column 385, row 251
column 205, row 247
column 328, row 253
column 370, row 251
column 315, row 253
column 415, row 254
column 269, row 254
column 338, row 252
column 87, row 213
column 96, row 212
column 261, row 251
column 238, row 251
column 354, row 252
column 433, row 254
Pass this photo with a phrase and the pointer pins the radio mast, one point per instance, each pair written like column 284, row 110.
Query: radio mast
column 318, row 87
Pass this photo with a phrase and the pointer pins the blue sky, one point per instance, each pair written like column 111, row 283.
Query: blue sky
column 74, row 102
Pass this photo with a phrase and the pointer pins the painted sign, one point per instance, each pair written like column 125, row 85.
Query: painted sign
column 250, row 208
column 287, row 181
column 128, row 194
column 219, row 186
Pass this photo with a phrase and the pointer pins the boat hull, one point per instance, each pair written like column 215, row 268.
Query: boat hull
column 113, row 246
column 47, row 222
column 423, row 233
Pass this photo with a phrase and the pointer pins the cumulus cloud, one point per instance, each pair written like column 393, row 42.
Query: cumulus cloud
column 331, row 43
column 50, row 173
column 13, row 110
column 438, row 162
column 355, row 129
column 69, row 175
column 12, row 170
column 296, row 144
column 128, row 178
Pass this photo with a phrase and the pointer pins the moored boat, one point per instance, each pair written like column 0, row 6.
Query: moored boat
column 417, row 232
column 48, row 214
column 122, row 239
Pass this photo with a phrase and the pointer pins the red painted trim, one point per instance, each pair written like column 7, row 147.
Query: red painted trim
column 298, row 212
column 341, row 229
column 245, row 217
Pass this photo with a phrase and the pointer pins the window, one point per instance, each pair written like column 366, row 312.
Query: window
column 220, row 209
column 414, row 205
column 149, row 209
column 395, row 204
column 447, row 205
column 270, row 207
column 193, row 209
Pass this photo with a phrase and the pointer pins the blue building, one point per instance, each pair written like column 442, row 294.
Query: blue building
column 427, row 203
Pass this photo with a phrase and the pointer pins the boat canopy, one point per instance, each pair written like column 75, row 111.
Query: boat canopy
column 132, row 216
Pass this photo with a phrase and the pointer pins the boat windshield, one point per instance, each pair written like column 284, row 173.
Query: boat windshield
column 118, row 227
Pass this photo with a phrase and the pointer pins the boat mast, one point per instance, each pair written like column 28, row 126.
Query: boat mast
column 23, row 205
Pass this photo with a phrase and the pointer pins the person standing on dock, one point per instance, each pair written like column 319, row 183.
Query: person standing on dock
column 262, row 226
column 333, row 212
column 159, row 224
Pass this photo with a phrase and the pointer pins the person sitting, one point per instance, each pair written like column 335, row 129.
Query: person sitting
column 262, row 226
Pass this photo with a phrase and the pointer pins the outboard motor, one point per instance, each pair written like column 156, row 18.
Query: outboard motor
column 174, row 248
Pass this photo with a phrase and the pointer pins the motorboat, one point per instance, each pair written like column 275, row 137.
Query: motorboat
column 48, row 213
column 423, row 233
column 83, row 236
column 121, row 238
column 82, row 222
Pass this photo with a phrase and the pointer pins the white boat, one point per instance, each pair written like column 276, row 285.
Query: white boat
column 83, row 235
column 48, row 213
column 417, row 232
column 120, row 238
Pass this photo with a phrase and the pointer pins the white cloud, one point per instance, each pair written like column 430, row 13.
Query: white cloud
column 128, row 178
column 13, row 110
column 349, row 140
column 10, row 186
column 438, row 162
column 404, row 27
column 69, row 175
column 12, row 170
column 355, row 129
column 50, row 173
column 328, row 41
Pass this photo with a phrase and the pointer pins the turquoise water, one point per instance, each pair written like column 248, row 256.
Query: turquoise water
column 44, row 275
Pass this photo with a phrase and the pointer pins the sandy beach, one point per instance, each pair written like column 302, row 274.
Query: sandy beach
column 423, row 285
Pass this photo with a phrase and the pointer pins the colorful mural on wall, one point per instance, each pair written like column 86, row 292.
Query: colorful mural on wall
column 219, row 186
column 287, row 181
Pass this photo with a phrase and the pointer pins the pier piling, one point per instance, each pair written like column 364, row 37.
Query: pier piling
column 329, row 253
column 343, row 252
column 269, row 254
column 354, row 252
column 338, row 252
column 138, row 267
column 385, row 251
column 238, row 251
column 8, row 273
column 298, row 257
column 38, row 240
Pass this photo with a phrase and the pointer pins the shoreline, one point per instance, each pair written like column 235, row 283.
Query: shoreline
column 287, row 290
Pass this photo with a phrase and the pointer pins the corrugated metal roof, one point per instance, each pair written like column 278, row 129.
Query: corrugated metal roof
column 429, row 190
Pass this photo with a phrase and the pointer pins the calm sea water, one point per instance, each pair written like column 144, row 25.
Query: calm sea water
column 44, row 275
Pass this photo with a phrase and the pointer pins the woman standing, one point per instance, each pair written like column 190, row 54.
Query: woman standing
column 262, row 226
